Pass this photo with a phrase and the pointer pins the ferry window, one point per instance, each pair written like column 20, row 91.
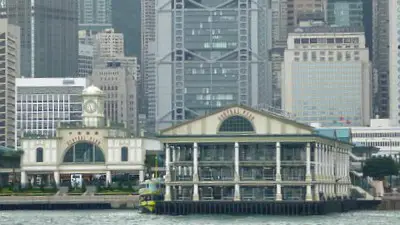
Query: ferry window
column 236, row 124
column 39, row 155
column 124, row 154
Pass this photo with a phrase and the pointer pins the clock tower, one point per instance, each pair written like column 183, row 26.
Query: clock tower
column 93, row 107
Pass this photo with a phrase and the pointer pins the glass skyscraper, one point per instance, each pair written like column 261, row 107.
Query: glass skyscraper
column 212, row 53
column 345, row 12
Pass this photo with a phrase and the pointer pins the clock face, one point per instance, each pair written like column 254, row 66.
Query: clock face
column 90, row 106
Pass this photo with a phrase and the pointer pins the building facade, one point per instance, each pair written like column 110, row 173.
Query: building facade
column 85, row 60
column 120, row 87
column 90, row 148
column 94, row 15
column 46, row 52
column 242, row 154
column 379, row 134
column 297, row 8
column 380, row 57
column 209, row 55
column 108, row 44
column 345, row 13
column 43, row 102
column 327, row 76
column 9, row 72
column 394, row 61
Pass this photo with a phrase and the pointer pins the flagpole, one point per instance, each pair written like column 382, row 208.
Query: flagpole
column 156, row 164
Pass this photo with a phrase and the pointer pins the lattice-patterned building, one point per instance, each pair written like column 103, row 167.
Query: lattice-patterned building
column 239, row 153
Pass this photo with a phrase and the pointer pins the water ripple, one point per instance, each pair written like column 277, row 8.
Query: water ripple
column 134, row 218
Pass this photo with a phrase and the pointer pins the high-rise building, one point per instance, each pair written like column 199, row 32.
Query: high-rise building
column 394, row 61
column 85, row 60
column 94, row 15
column 147, row 102
column 43, row 102
column 345, row 12
column 297, row 8
column 119, row 86
column 326, row 76
column 380, row 57
column 9, row 71
column 209, row 54
column 49, row 43
column 126, row 19
column 108, row 44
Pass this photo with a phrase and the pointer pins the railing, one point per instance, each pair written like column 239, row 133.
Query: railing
column 67, row 199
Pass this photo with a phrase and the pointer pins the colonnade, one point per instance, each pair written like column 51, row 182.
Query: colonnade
column 331, row 172
column 56, row 176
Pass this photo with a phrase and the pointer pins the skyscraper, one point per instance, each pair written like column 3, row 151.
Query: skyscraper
column 9, row 71
column 326, row 76
column 345, row 12
column 49, row 35
column 380, row 56
column 94, row 15
column 394, row 61
column 211, row 53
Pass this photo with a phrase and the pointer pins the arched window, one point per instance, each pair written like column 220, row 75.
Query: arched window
column 84, row 152
column 124, row 154
column 39, row 154
column 236, row 124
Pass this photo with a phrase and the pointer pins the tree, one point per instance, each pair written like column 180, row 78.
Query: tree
column 379, row 167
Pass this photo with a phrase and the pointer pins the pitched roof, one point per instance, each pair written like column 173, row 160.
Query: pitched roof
column 265, row 113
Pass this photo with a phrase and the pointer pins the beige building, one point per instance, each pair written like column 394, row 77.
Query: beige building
column 108, row 44
column 326, row 76
column 89, row 148
column 9, row 71
column 120, row 87
column 241, row 154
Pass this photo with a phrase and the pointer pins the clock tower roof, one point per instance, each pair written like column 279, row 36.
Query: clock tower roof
column 92, row 90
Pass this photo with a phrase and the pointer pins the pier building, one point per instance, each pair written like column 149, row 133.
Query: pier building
column 91, row 147
column 242, row 154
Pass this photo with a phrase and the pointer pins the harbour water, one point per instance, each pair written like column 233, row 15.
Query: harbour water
column 135, row 218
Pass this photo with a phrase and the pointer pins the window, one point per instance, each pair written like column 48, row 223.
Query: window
column 84, row 152
column 236, row 124
column 39, row 154
column 124, row 154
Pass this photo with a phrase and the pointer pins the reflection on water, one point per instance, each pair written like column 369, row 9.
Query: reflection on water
column 134, row 218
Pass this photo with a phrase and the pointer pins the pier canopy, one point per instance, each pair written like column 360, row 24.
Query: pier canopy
column 84, row 152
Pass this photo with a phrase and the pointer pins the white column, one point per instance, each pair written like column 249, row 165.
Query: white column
column 56, row 176
column 167, row 196
column 308, row 173
column 141, row 175
column 316, row 170
column 108, row 178
column 24, row 179
column 195, row 173
column 173, row 154
column 237, row 176
column 278, row 177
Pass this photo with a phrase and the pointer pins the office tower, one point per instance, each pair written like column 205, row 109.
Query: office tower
column 119, row 85
column 210, row 54
column 49, row 42
column 326, row 76
column 94, row 15
column 85, row 60
column 296, row 8
column 43, row 102
column 345, row 12
column 147, row 102
column 380, row 57
column 126, row 19
column 9, row 71
column 108, row 44
column 394, row 61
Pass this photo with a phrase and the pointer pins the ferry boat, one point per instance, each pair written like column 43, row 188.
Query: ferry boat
column 150, row 192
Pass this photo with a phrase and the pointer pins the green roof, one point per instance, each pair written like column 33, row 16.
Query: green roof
column 342, row 134
column 7, row 151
